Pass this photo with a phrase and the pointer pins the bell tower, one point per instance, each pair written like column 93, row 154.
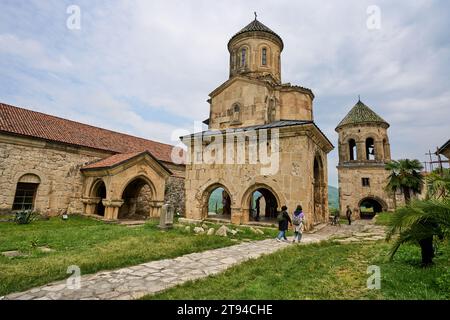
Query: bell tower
column 364, row 150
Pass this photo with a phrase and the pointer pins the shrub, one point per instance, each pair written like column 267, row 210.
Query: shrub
column 25, row 216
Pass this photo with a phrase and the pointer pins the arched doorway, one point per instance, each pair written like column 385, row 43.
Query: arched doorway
column 217, row 203
column 319, row 192
column 369, row 207
column 99, row 191
column 263, row 205
column 137, row 200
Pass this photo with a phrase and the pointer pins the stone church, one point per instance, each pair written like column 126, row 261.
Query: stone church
column 364, row 150
column 254, row 110
column 53, row 165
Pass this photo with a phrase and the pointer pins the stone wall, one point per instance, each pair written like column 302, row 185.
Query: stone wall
column 57, row 166
column 174, row 194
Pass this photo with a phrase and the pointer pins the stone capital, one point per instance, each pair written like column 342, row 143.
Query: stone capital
column 93, row 200
column 112, row 203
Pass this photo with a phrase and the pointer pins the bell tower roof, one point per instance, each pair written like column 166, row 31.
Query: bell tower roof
column 359, row 114
column 255, row 27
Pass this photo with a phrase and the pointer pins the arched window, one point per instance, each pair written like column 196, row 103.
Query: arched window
column 236, row 113
column 264, row 57
column 26, row 191
column 370, row 149
column 243, row 57
column 352, row 148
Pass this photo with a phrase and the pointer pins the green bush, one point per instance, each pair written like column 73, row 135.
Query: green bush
column 25, row 216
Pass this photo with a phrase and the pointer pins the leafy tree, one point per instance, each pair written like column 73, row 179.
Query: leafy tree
column 438, row 184
column 405, row 175
column 420, row 222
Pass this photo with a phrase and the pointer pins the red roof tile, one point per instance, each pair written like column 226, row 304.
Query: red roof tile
column 118, row 159
column 34, row 124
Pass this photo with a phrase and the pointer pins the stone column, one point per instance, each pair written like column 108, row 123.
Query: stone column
column 239, row 216
column 379, row 152
column 112, row 208
column 361, row 150
column 90, row 204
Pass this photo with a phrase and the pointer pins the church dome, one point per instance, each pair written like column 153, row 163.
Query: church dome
column 256, row 28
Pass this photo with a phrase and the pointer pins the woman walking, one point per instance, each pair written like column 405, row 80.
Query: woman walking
column 298, row 220
column 283, row 220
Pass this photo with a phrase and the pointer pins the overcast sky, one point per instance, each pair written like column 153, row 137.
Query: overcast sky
column 147, row 67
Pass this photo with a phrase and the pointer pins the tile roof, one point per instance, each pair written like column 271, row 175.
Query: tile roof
column 24, row 122
column 112, row 160
column 272, row 125
column 360, row 113
column 254, row 26
column 445, row 146
column 117, row 159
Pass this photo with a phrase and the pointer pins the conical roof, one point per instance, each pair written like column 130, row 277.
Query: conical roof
column 256, row 26
column 360, row 113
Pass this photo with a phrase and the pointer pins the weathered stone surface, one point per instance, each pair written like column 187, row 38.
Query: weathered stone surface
column 222, row 231
column 13, row 254
column 199, row 230
column 211, row 231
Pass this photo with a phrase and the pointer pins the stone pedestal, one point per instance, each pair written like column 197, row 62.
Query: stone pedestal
column 166, row 217
column 112, row 208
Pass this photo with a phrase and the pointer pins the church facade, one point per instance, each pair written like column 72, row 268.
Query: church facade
column 261, row 138
column 57, row 166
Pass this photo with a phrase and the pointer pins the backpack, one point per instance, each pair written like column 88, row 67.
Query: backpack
column 280, row 217
column 297, row 220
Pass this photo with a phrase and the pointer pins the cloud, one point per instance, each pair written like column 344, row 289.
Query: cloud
column 147, row 67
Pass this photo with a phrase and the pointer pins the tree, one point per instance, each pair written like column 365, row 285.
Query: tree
column 420, row 222
column 405, row 175
column 438, row 184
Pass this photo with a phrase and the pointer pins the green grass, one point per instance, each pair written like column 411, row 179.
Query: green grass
column 93, row 246
column 383, row 218
column 325, row 271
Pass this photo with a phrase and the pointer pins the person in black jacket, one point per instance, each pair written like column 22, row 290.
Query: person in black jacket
column 283, row 220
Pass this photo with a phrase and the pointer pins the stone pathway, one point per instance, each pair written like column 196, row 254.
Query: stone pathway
column 148, row 278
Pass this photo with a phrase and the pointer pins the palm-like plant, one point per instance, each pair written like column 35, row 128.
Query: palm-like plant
column 405, row 175
column 420, row 222
column 438, row 184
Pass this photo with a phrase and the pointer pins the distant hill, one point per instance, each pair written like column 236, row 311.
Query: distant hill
column 333, row 197
column 216, row 198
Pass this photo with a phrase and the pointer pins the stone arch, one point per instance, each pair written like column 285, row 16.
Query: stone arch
column 205, row 194
column 369, row 148
column 98, row 192
column 378, row 205
column 259, row 55
column 352, row 149
column 243, row 57
column 236, row 111
column 137, row 204
column 319, row 186
column 246, row 197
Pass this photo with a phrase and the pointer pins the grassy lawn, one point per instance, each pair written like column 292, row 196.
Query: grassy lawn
column 325, row 271
column 383, row 218
column 93, row 246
